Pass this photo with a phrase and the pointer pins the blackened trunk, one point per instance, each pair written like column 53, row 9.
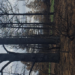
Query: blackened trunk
column 31, row 57
column 28, row 13
column 51, row 40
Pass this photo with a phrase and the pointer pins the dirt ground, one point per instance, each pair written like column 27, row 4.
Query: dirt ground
column 65, row 27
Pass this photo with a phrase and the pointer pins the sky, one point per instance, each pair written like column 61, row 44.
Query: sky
column 16, row 67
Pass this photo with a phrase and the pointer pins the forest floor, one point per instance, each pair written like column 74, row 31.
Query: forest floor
column 65, row 24
column 64, row 19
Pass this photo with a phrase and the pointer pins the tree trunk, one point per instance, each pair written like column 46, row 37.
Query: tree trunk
column 31, row 57
column 51, row 40
column 28, row 13
column 50, row 23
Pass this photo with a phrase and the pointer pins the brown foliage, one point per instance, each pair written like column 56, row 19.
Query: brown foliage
column 37, row 5
column 41, row 7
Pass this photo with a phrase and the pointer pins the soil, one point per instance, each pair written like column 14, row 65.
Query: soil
column 65, row 25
